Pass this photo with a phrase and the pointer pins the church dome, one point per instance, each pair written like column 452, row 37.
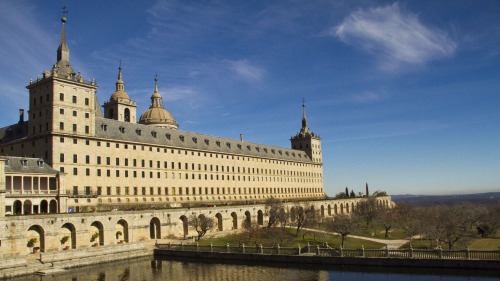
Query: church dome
column 156, row 115
column 119, row 95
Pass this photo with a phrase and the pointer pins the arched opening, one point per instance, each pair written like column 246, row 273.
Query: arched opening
column 341, row 208
column 18, row 208
column 292, row 214
column 235, row 220
column 53, row 206
column 44, row 207
column 335, row 209
column 111, row 114
column 219, row 221
column 329, row 210
column 322, row 211
column 347, row 208
column 37, row 232
column 122, row 227
column 352, row 207
column 127, row 115
column 185, row 228
column 248, row 219
column 27, row 207
column 154, row 228
column 260, row 217
column 68, row 229
column 96, row 227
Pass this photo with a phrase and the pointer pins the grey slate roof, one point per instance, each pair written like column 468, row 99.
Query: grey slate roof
column 14, row 132
column 124, row 131
column 14, row 165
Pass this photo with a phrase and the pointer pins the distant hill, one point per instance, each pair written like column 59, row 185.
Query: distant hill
column 490, row 198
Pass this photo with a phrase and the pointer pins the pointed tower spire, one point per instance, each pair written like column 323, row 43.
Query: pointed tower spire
column 63, row 50
column 62, row 67
column 156, row 97
column 120, row 86
column 304, row 119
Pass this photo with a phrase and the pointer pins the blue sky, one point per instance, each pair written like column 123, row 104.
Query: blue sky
column 405, row 95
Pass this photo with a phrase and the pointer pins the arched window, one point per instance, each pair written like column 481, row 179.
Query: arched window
column 127, row 115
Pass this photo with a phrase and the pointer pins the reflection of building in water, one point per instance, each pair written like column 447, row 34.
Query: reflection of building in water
column 112, row 160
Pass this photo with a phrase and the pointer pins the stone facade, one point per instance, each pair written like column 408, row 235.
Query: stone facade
column 112, row 161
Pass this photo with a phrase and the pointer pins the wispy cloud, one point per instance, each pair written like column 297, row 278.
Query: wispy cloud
column 395, row 34
column 247, row 71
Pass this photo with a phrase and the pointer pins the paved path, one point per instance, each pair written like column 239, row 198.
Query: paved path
column 391, row 244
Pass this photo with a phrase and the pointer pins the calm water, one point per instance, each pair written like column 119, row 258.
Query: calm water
column 190, row 269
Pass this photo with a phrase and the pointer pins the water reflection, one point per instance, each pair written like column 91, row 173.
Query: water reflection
column 190, row 269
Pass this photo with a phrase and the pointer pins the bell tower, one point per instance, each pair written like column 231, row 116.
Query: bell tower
column 120, row 107
column 307, row 141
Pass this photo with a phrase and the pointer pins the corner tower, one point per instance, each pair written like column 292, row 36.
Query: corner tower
column 307, row 141
column 120, row 107
column 61, row 103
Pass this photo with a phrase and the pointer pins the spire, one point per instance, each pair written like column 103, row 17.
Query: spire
column 63, row 50
column 304, row 119
column 62, row 68
column 156, row 97
column 120, row 86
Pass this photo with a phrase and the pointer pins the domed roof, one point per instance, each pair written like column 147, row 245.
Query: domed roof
column 156, row 115
column 120, row 95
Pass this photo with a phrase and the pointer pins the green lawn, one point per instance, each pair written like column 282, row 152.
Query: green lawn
column 287, row 238
column 485, row 244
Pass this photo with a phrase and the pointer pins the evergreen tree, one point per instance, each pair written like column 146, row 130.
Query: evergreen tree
column 347, row 192
column 367, row 193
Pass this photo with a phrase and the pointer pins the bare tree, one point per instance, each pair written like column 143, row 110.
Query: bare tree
column 408, row 217
column 344, row 225
column 273, row 207
column 283, row 217
column 367, row 210
column 449, row 225
column 386, row 218
column 201, row 224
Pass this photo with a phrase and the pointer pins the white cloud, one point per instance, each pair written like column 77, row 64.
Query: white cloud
column 397, row 35
column 246, row 70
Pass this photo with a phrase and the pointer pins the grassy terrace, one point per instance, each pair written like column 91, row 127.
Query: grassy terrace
column 287, row 238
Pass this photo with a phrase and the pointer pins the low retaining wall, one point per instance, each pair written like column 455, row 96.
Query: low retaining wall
column 59, row 261
column 322, row 260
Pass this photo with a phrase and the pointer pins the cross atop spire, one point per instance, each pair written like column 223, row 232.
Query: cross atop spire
column 62, row 67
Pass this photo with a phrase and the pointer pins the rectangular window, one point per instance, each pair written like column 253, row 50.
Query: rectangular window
column 108, row 190
column 61, row 125
column 99, row 190
column 135, row 190
column 117, row 173
column 74, row 99
column 117, row 161
column 61, row 157
column 61, row 96
column 87, row 129
column 74, row 127
column 61, row 111
column 75, row 171
column 86, row 101
column 98, row 172
column 87, row 159
column 98, row 160
column 126, row 161
column 108, row 173
column 75, row 158
column 74, row 113
column 108, row 161
column 87, row 115
column 87, row 172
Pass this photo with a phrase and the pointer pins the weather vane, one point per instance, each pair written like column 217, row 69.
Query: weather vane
column 64, row 11
column 303, row 101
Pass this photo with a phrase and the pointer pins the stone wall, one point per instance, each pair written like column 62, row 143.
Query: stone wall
column 137, row 226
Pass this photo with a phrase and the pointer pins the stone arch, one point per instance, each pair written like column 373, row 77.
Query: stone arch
column 248, row 219
column 53, row 206
column 185, row 228
column 347, row 208
column 322, row 211
column 329, row 210
column 235, row 220
column 98, row 228
column 219, row 222
column 126, row 115
column 352, row 207
column 260, row 217
column 155, row 228
column 292, row 214
column 44, row 207
column 341, row 208
column 18, row 208
column 27, row 207
column 122, row 226
column 36, row 231
column 68, row 229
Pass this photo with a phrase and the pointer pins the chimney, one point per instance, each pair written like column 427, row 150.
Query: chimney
column 241, row 137
column 21, row 116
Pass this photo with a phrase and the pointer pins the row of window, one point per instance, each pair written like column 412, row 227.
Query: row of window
column 194, row 190
column 61, row 98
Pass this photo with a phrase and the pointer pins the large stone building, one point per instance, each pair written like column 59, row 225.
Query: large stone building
column 114, row 161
